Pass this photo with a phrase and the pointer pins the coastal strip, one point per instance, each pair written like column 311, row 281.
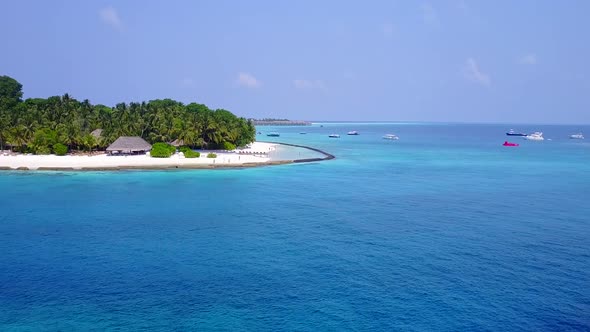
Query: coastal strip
column 327, row 156
column 248, row 158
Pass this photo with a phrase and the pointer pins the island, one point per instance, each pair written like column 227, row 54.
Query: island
column 62, row 133
column 279, row 122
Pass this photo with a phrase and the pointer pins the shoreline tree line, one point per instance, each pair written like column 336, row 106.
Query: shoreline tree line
column 41, row 126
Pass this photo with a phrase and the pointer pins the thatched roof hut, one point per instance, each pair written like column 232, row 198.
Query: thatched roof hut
column 129, row 144
column 177, row 142
column 97, row 133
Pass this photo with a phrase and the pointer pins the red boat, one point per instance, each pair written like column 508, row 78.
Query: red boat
column 506, row 143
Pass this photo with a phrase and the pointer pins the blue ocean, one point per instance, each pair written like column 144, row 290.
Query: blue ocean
column 442, row 230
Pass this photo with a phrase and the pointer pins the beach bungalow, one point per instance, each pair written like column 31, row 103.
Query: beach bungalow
column 177, row 143
column 98, row 139
column 97, row 133
column 129, row 145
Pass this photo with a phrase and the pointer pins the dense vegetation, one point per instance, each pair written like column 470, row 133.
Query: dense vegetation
column 188, row 153
column 60, row 149
column 228, row 146
column 162, row 150
column 37, row 124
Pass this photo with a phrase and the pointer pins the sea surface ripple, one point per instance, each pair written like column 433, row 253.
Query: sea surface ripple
column 443, row 230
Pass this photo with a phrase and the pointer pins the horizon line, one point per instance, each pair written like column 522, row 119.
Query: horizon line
column 450, row 122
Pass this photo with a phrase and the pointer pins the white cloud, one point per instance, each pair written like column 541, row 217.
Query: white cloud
column 428, row 13
column 528, row 59
column 474, row 74
column 387, row 29
column 247, row 80
column 110, row 16
column 308, row 84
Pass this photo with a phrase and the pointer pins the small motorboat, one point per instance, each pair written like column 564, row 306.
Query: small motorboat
column 273, row 134
column 390, row 137
column 334, row 136
column 506, row 143
column 258, row 133
column 354, row 132
column 577, row 136
column 302, row 133
column 512, row 133
column 536, row 136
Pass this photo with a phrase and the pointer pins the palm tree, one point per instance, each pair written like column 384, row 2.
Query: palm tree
column 39, row 123
column 17, row 137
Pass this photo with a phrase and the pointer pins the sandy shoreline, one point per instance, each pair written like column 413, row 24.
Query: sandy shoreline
column 256, row 155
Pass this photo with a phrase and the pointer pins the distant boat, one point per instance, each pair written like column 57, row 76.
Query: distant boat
column 390, row 137
column 536, row 136
column 302, row 133
column 354, row 132
column 273, row 134
column 577, row 136
column 512, row 133
column 334, row 136
column 506, row 143
column 258, row 133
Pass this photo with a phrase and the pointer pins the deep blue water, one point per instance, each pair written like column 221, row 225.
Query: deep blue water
column 442, row 230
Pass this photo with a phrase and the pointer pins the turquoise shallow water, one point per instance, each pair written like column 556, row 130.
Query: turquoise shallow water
column 442, row 230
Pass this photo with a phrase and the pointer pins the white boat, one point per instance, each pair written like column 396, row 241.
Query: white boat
column 354, row 132
column 577, row 136
column 334, row 136
column 536, row 136
column 390, row 137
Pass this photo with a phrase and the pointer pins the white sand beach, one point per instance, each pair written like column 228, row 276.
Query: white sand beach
column 256, row 153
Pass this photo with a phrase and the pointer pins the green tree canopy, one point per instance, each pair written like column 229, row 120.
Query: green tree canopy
column 10, row 96
column 10, row 91
column 36, row 124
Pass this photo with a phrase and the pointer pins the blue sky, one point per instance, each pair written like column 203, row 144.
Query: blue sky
column 467, row 61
